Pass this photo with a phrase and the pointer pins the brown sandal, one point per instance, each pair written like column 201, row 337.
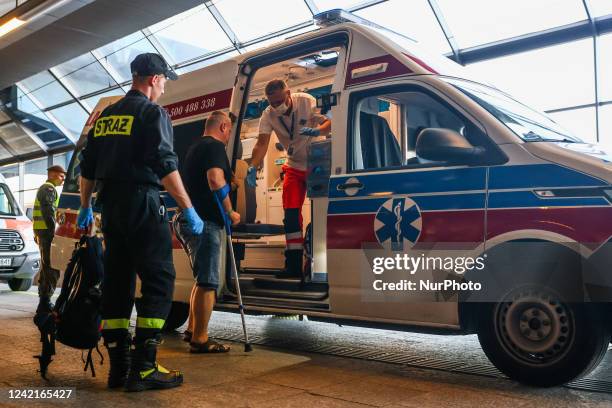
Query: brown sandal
column 210, row 346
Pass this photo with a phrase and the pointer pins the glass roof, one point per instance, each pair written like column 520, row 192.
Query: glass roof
column 605, row 66
column 54, row 104
column 84, row 75
column 414, row 19
column 555, row 80
column 190, row 35
column 475, row 22
column 600, row 7
column 252, row 19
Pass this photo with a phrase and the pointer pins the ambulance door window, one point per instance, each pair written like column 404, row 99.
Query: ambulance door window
column 7, row 203
column 386, row 126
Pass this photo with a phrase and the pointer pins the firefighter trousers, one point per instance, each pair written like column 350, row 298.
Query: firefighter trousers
column 137, row 242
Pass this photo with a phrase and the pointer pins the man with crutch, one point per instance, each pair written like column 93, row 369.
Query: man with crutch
column 207, row 173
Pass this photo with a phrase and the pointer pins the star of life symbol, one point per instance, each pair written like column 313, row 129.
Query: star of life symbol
column 398, row 224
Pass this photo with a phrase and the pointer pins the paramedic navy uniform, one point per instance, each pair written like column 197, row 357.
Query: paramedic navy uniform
column 129, row 150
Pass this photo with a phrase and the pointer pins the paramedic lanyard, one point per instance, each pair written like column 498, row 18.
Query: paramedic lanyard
column 289, row 131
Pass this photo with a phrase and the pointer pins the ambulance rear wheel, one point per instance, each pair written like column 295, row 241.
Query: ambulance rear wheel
column 20, row 285
column 535, row 338
column 177, row 317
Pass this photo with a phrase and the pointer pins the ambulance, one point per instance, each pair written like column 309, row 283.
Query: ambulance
column 19, row 256
column 420, row 154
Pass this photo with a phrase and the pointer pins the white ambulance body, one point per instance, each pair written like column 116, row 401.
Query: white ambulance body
column 418, row 155
column 19, row 256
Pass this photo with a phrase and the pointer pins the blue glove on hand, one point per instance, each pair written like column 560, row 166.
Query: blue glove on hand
column 306, row 131
column 85, row 217
column 251, row 177
column 194, row 222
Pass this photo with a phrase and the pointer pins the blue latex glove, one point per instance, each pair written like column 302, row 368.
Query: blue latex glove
column 251, row 177
column 306, row 131
column 194, row 222
column 85, row 217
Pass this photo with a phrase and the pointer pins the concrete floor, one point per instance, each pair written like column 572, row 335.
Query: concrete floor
column 272, row 377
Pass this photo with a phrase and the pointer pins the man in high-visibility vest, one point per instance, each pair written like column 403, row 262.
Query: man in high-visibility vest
column 45, row 205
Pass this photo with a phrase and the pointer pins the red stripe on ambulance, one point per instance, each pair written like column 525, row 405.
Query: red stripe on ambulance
column 394, row 68
column 200, row 104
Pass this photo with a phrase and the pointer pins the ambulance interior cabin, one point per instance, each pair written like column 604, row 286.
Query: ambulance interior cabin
column 259, row 244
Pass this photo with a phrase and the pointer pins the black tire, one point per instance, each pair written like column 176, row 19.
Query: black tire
column 20, row 285
column 535, row 338
column 177, row 317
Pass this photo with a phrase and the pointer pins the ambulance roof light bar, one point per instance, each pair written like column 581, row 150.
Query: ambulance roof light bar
column 338, row 16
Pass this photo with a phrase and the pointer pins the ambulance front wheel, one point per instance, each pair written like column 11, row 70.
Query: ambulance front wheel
column 20, row 285
column 177, row 317
column 535, row 338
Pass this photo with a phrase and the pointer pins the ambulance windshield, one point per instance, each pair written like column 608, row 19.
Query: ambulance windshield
column 529, row 124
column 8, row 206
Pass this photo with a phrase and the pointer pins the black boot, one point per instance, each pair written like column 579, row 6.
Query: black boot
column 119, row 355
column 293, row 264
column 146, row 373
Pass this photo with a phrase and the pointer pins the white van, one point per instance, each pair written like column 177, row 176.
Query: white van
column 418, row 156
column 19, row 256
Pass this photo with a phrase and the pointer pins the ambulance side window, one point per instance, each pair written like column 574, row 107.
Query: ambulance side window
column 386, row 126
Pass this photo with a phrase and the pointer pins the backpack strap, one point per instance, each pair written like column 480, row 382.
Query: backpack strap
column 89, row 363
column 89, row 360
column 46, row 326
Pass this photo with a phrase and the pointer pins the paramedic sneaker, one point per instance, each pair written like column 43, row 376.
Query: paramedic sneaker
column 146, row 373
column 119, row 355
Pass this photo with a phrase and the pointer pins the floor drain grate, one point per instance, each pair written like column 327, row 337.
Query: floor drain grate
column 371, row 354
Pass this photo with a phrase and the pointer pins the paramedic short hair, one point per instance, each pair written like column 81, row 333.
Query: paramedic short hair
column 275, row 85
column 216, row 119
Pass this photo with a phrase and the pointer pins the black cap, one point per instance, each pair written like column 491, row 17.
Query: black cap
column 151, row 64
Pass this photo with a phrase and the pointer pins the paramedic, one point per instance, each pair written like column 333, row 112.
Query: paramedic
column 207, row 173
column 129, row 154
column 296, row 122
column 45, row 206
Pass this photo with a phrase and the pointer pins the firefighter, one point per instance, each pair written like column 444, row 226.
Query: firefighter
column 129, row 154
column 296, row 122
column 45, row 206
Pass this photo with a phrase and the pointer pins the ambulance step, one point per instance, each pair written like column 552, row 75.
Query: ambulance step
column 284, row 294
column 290, row 284
column 259, row 271
column 284, row 304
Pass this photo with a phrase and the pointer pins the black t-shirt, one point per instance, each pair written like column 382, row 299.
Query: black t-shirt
column 204, row 155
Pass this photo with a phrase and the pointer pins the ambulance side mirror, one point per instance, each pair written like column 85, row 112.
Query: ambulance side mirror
column 30, row 213
column 447, row 145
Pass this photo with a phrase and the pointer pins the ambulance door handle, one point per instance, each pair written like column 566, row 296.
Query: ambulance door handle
column 343, row 187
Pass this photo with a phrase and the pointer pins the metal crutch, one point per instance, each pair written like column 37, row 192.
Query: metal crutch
column 228, row 231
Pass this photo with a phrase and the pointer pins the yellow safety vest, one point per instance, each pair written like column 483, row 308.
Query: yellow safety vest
column 39, row 221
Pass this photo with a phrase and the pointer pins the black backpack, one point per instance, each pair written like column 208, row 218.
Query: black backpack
column 75, row 320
